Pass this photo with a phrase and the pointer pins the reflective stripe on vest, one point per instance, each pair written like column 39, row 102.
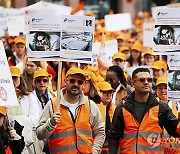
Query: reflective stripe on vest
column 70, row 137
column 142, row 138
column 170, row 142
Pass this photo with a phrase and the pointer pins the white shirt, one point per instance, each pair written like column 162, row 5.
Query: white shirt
column 72, row 108
column 114, row 95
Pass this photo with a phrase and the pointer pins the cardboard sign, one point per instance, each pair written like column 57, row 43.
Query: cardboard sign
column 7, row 91
column 148, row 34
column 116, row 22
column 166, row 36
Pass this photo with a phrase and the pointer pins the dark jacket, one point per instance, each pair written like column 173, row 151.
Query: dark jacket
column 166, row 119
column 12, row 61
column 16, row 146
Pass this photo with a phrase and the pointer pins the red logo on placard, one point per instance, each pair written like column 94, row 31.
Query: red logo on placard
column 3, row 94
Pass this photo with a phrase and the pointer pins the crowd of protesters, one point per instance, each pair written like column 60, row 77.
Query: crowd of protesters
column 133, row 89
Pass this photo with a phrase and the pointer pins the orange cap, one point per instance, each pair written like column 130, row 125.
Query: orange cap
column 159, row 65
column 149, row 51
column 123, row 48
column 90, row 75
column 104, row 86
column 76, row 70
column 19, row 40
column 161, row 79
column 137, row 46
column 3, row 110
column 15, row 71
column 41, row 72
column 119, row 55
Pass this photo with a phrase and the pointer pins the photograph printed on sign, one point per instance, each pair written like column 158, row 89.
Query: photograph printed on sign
column 167, row 35
column 44, row 41
column 174, row 80
column 80, row 41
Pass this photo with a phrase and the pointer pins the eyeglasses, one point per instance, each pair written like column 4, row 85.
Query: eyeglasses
column 144, row 79
column 40, row 80
column 73, row 81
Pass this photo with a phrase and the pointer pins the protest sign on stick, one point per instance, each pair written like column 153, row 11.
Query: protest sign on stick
column 7, row 92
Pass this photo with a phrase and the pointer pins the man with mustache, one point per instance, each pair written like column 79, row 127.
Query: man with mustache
column 138, row 122
column 77, row 126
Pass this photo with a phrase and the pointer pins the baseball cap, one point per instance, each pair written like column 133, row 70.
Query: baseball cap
column 161, row 79
column 91, row 68
column 41, row 72
column 19, row 40
column 15, row 71
column 90, row 76
column 149, row 51
column 137, row 46
column 119, row 55
column 105, row 86
column 3, row 110
column 159, row 65
column 76, row 70
column 123, row 48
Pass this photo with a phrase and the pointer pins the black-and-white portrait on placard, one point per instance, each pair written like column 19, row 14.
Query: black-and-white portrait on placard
column 44, row 41
column 167, row 35
column 174, row 80
column 81, row 41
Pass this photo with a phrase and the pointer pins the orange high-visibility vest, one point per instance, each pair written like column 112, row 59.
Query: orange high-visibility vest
column 69, row 137
column 8, row 150
column 102, row 109
column 142, row 138
column 171, row 144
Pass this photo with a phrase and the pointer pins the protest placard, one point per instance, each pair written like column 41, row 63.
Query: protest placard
column 116, row 22
column 3, row 26
column 148, row 34
column 166, row 35
column 174, row 77
column 43, row 35
column 77, row 38
column 7, row 91
column 16, row 25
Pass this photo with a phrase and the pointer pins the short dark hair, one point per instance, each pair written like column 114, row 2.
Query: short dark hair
column 140, row 69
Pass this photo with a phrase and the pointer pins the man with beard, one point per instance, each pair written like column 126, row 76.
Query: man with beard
column 77, row 126
column 138, row 123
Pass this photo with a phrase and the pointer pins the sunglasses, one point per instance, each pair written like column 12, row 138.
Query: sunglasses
column 144, row 79
column 41, row 80
column 73, row 81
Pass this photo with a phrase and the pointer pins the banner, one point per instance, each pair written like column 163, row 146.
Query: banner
column 7, row 91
